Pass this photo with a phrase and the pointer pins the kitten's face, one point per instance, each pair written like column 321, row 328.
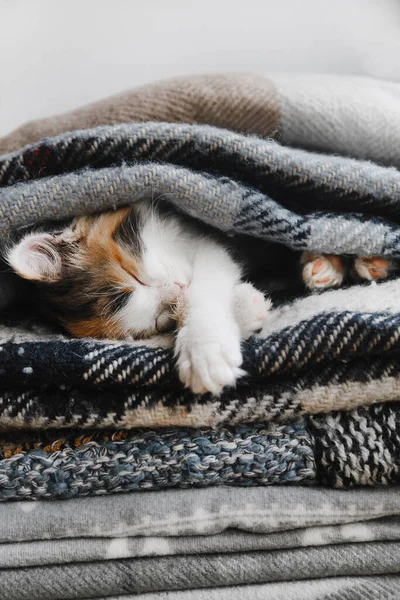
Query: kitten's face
column 115, row 275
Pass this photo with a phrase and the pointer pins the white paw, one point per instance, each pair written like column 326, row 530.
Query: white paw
column 250, row 308
column 209, row 361
column 322, row 271
column 372, row 267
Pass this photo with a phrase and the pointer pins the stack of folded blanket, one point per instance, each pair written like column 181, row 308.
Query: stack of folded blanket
column 308, row 162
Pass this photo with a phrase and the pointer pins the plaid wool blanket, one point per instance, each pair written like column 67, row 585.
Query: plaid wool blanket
column 331, row 352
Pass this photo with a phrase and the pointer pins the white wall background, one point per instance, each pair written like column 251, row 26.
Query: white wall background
column 59, row 54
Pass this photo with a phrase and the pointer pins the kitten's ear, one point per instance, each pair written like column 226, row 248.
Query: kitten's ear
column 36, row 257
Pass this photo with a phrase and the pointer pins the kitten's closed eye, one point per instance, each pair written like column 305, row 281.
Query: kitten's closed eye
column 322, row 271
column 115, row 275
column 118, row 300
column 140, row 271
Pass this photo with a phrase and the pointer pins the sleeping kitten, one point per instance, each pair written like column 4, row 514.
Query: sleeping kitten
column 143, row 270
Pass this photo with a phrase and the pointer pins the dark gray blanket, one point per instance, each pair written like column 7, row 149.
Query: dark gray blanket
column 197, row 571
column 385, row 587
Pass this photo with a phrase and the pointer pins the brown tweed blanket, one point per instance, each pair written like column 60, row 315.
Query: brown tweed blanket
column 355, row 116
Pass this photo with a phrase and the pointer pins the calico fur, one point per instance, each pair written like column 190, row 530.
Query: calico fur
column 139, row 271
column 143, row 270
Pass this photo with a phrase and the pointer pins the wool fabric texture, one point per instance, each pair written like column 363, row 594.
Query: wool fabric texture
column 345, row 449
column 97, row 463
column 172, row 573
column 352, row 116
column 335, row 352
column 37, row 552
column 329, row 588
column 151, row 541
column 204, row 511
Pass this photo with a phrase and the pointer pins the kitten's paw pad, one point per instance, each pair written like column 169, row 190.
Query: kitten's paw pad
column 208, row 365
column 322, row 271
column 372, row 267
column 251, row 309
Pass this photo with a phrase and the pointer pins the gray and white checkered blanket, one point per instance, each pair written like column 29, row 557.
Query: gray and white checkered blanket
column 330, row 352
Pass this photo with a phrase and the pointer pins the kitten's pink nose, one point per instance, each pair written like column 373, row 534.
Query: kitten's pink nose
column 173, row 291
column 179, row 289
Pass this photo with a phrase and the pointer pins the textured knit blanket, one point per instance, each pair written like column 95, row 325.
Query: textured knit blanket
column 269, row 541
column 344, row 449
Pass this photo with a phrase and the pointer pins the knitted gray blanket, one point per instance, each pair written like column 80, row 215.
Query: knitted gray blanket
column 329, row 352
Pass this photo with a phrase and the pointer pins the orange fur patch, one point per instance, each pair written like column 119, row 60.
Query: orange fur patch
column 97, row 267
column 108, row 262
